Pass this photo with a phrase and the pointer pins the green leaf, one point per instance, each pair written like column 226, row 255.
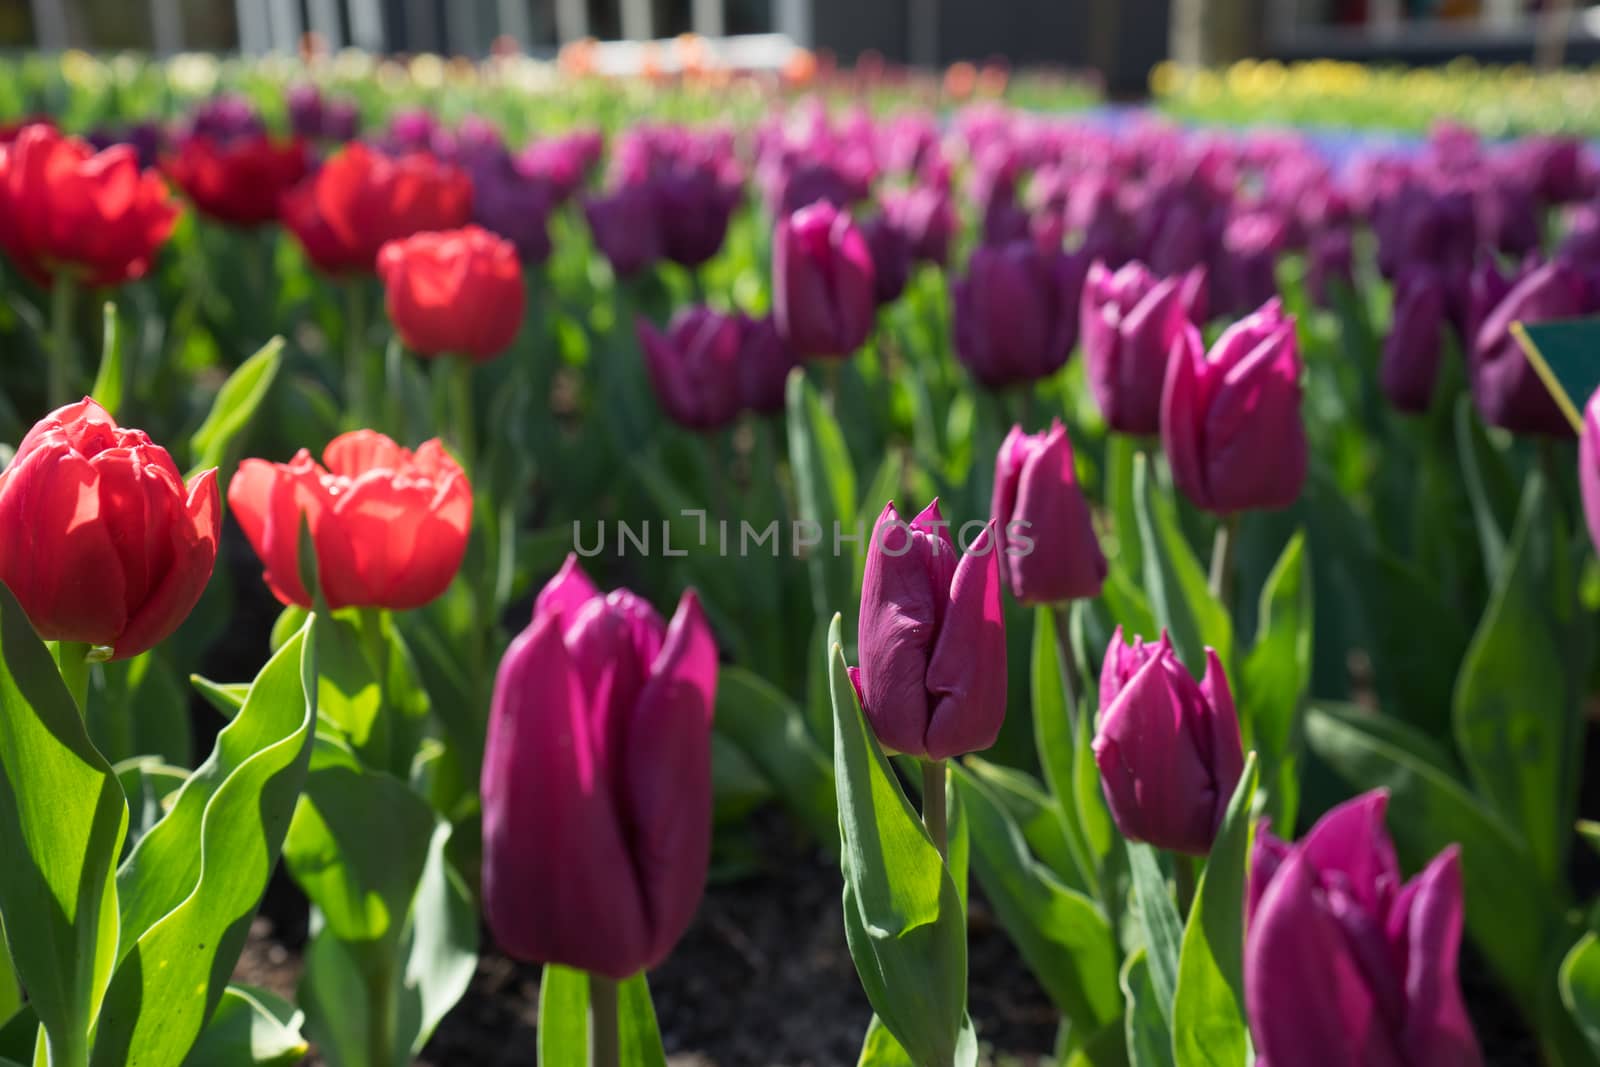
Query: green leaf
column 1053, row 728
column 1209, row 1028
column 1489, row 486
column 880, row 1049
column 825, row 485
column 1277, row 677
column 139, row 708
column 1120, row 496
column 440, row 945
column 563, row 1017
column 108, row 380
column 1158, row 917
column 226, row 697
column 150, row 786
column 250, row 1026
column 902, row 912
column 1093, row 815
column 1177, row 585
column 62, row 821
column 1580, row 988
column 1036, row 815
column 771, row 732
column 190, row 888
column 1149, row 1044
column 235, row 405
column 638, row 1036
column 1518, row 719
column 1062, row 936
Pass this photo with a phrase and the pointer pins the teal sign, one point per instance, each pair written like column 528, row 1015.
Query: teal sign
column 1567, row 356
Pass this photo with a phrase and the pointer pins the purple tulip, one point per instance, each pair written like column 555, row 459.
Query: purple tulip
column 562, row 162
column 1411, row 350
column 305, row 111
column 891, row 258
column 824, row 283
column 1049, row 553
column 511, row 204
column 927, row 217
column 597, row 780
column 1246, row 273
column 1129, row 322
column 1168, row 748
column 764, row 366
column 225, row 118
column 1345, row 965
column 694, row 366
column 799, row 184
column 1589, row 467
column 693, row 206
column 148, row 140
column 1230, row 419
column 932, row 679
column 341, row 121
column 1330, row 260
column 623, row 224
column 1016, row 312
column 1508, row 391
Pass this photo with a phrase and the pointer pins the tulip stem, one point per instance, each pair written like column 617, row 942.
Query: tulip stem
column 355, row 337
column 1222, row 552
column 64, row 355
column 72, row 659
column 1069, row 661
column 461, row 415
column 933, row 813
column 1184, row 879
column 605, row 1048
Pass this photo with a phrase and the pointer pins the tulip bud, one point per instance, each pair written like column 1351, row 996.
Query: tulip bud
column 1016, row 312
column 891, row 258
column 1506, row 388
column 389, row 526
column 1411, row 350
column 694, row 366
column 1168, row 748
column 597, row 780
column 695, row 202
column 927, row 218
column 241, row 181
column 1129, row 322
column 512, row 204
column 823, row 282
column 456, row 292
column 1230, row 420
column 764, row 366
column 1344, row 964
column 1049, row 554
column 624, row 228
column 105, row 544
column 1331, row 259
column 932, row 679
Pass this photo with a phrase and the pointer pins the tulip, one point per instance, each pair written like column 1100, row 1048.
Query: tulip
column 225, row 118
column 105, row 545
column 597, row 780
column 824, row 283
column 515, row 205
column 1129, row 322
column 1037, row 497
column 1589, row 467
column 927, row 218
column 891, row 258
column 1345, row 965
column 1168, row 748
column 361, row 200
column 148, row 139
column 1506, row 388
column 1331, row 259
column 240, row 181
column 1016, row 312
column 458, row 292
column 389, row 527
column 1412, row 348
column 694, row 204
column 623, row 225
column 66, row 210
column 694, row 366
column 932, row 679
column 764, row 366
column 306, row 111
column 1230, row 419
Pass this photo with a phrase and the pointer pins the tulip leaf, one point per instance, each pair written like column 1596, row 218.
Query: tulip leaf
column 825, row 487
column 62, row 822
column 139, row 708
column 1580, row 988
column 1093, row 815
column 564, row 1020
column 880, row 1049
column 251, row 1026
column 150, row 786
column 1277, row 677
column 1120, row 500
column 1489, row 486
column 637, row 1032
column 190, row 887
column 771, row 732
column 226, row 697
column 1518, row 719
column 1158, row 917
column 110, row 379
column 1209, row 1028
column 902, row 912
column 1036, row 815
column 235, row 405
column 1177, row 585
column 1062, row 936
column 1054, row 726
column 1148, row 1042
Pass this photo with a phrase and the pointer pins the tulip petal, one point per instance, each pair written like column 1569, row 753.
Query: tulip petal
column 899, row 613
column 1438, row 1031
column 193, row 556
column 568, row 591
column 1181, row 416
column 1351, row 838
column 966, row 675
column 1220, row 728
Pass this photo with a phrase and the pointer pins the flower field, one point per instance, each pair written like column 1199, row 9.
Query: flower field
column 506, row 565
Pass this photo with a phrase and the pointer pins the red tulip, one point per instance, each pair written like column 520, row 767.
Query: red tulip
column 67, row 209
column 389, row 526
column 104, row 543
column 458, row 292
column 360, row 200
column 240, row 181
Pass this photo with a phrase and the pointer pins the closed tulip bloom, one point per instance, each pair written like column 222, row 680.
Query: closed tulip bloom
column 365, row 199
column 891, row 258
column 458, row 292
column 1129, row 322
column 1167, row 747
column 925, row 214
column 932, row 643
column 1037, row 497
column 764, row 365
column 623, row 225
column 694, row 366
column 1230, row 419
column 1016, row 312
column 1330, row 261
column 1346, row 965
column 694, row 205
column 104, row 544
column 1416, row 337
column 824, row 282
column 1506, row 388
column 239, row 181
column 389, row 526
column 67, row 210
column 597, row 780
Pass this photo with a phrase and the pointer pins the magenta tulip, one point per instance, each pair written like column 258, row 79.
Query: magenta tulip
column 1130, row 320
column 1016, row 312
column 1048, row 549
column 1589, row 467
column 694, row 366
column 824, row 282
column 1416, row 337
